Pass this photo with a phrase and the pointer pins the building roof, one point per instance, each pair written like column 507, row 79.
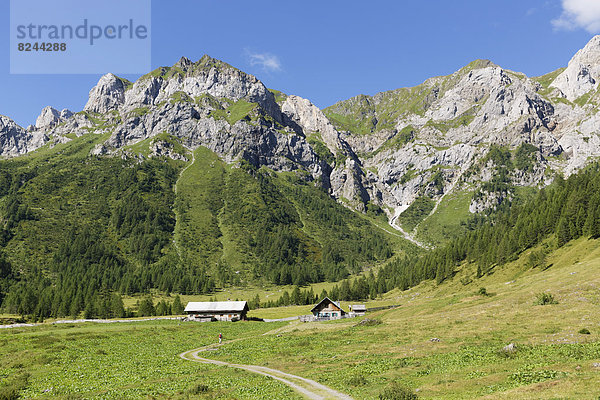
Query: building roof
column 327, row 300
column 216, row 306
column 358, row 307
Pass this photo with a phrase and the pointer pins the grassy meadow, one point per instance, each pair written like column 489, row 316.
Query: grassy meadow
column 126, row 361
column 557, row 345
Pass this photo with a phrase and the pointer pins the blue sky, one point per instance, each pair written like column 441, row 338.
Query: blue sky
column 331, row 50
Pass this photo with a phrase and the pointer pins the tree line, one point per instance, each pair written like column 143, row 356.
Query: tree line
column 564, row 211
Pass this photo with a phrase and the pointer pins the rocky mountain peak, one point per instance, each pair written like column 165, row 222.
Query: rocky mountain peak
column 590, row 54
column 14, row 140
column 191, row 81
column 583, row 72
column 107, row 95
column 183, row 63
column 48, row 117
column 480, row 63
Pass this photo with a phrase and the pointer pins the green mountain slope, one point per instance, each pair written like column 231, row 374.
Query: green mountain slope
column 368, row 114
column 566, row 210
column 74, row 229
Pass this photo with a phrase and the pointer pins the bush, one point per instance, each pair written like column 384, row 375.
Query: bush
column 482, row 291
column 199, row 389
column 9, row 393
column 357, row 380
column 542, row 299
column 584, row 331
column 396, row 391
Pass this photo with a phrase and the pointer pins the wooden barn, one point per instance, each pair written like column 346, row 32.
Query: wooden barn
column 328, row 309
column 358, row 310
column 216, row 310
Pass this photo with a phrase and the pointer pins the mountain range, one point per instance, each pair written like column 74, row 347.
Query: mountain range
column 200, row 165
column 387, row 150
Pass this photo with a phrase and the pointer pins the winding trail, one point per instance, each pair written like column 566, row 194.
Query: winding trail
column 307, row 387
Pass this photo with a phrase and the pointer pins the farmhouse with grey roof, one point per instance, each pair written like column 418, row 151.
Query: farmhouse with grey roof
column 216, row 310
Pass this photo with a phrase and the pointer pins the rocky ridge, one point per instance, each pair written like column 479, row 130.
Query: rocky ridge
column 385, row 150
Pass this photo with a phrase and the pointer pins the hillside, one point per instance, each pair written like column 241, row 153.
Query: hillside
column 197, row 176
column 76, row 228
column 445, row 341
column 553, row 357
column 419, row 144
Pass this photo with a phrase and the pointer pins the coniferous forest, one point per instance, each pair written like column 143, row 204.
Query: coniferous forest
column 78, row 232
column 566, row 210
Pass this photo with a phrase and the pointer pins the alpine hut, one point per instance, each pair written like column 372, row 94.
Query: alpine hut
column 328, row 309
column 358, row 310
column 216, row 310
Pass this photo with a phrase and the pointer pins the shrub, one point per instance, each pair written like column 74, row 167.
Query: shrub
column 9, row 393
column 584, row 331
column 482, row 291
column 528, row 376
column 396, row 391
column 199, row 389
column 542, row 299
column 357, row 380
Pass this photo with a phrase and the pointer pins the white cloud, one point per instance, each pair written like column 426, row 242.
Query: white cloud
column 267, row 61
column 579, row 14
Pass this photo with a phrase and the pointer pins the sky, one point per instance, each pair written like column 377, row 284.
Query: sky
column 331, row 50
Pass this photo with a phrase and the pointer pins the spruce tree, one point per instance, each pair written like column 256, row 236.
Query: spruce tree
column 177, row 307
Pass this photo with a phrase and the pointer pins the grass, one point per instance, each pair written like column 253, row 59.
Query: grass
column 279, row 96
column 462, row 120
column 546, row 80
column 239, row 110
column 364, row 115
column 199, row 194
column 416, row 212
column 445, row 223
column 320, row 148
column 553, row 358
column 129, row 361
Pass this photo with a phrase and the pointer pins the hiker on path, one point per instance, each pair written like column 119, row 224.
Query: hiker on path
column 220, row 338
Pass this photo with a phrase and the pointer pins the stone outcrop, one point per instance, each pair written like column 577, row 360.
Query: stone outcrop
column 15, row 140
column 50, row 117
column 107, row 95
column 583, row 72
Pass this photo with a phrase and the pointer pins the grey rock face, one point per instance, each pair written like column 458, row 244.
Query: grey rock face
column 443, row 129
column 582, row 73
column 107, row 95
column 15, row 140
column 50, row 117
column 312, row 120
column 47, row 118
column 205, row 77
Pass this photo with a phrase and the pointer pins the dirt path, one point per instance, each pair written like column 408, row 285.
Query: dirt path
column 307, row 387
